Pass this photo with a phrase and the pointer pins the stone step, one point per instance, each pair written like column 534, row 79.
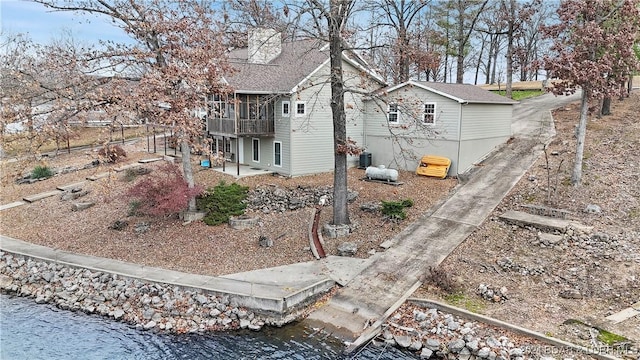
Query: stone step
column 543, row 223
column 625, row 314
column 125, row 167
column 98, row 176
column 41, row 196
column 11, row 205
column 71, row 186
column 144, row 161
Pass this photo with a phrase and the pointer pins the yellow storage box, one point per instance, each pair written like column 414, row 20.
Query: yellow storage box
column 436, row 166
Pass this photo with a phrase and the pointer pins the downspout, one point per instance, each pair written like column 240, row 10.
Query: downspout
column 237, row 114
column 290, row 135
column 459, row 137
column 364, row 122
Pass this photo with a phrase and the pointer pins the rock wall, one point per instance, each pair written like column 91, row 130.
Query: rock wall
column 146, row 305
column 271, row 198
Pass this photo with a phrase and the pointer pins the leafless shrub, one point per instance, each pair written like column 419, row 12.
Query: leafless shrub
column 442, row 279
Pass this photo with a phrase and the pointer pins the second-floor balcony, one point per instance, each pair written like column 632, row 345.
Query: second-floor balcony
column 242, row 115
column 221, row 126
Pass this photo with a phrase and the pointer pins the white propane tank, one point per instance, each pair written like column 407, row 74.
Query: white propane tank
column 381, row 173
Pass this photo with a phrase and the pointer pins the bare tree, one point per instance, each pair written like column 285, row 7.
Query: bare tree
column 176, row 57
column 241, row 15
column 592, row 54
column 401, row 17
column 336, row 14
column 465, row 14
column 44, row 87
column 530, row 44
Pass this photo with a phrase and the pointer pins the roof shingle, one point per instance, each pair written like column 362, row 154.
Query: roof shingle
column 466, row 93
column 297, row 60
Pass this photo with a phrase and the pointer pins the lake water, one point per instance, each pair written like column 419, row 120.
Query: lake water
column 31, row 331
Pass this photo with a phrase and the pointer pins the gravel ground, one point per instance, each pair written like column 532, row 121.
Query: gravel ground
column 197, row 247
column 601, row 270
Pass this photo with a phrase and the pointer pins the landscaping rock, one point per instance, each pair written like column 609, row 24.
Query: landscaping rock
column 119, row 225
column 426, row 353
column 82, row 206
column 456, row 346
column 265, row 241
column 570, row 294
column 243, row 222
column 403, row 341
column 592, row 209
column 141, row 227
column 134, row 301
column 271, row 198
column 74, row 194
column 347, row 249
column 371, row 207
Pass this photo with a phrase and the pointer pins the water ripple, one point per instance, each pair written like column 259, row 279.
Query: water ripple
column 41, row 332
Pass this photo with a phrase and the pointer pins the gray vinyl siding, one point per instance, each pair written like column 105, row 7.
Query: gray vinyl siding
column 473, row 152
column 282, row 134
column 355, row 107
column 312, row 134
column 388, row 153
column 484, row 121
column 412, row 100
column 483, row 127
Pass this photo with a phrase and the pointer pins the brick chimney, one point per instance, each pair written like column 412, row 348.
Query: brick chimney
column 264, row 45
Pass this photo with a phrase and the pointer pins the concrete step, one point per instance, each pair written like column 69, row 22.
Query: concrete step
column 40, row 196
column 11, row 205
column 337, row 320
column 71, row 186
column 625, row 314
column 125, row 167
column 543, row 223
column 98, row 176
column 144, row 161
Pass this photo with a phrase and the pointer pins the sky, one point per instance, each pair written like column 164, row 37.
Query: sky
column 44, row 25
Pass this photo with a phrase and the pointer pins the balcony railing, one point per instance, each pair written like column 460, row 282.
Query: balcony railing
column 245, row 127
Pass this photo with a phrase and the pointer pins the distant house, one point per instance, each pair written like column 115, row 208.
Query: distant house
column 459, row 121
column 279, row 116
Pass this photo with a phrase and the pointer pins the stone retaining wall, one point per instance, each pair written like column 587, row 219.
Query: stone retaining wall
column 143, row 304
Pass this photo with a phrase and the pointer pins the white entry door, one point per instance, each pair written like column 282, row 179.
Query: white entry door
column 241, row 150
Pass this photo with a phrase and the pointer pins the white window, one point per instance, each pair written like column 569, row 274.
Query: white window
column 277, row 153
column 285, row 108
column 429, row 116
column 255, row 149
column 301, row 108
column 393, row 115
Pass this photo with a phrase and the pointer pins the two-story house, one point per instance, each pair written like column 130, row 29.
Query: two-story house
column 278, row 117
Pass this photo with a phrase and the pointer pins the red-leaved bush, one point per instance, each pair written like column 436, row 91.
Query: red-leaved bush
column 165, row 192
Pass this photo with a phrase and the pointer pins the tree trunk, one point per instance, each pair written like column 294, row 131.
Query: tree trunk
column 478, row 63
column 460, row 42
column 488, row 78
column 185, row 151
column 340, row 211
column 606, row 106
column 576, row 176
column 510, row 35
column 460, row 64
